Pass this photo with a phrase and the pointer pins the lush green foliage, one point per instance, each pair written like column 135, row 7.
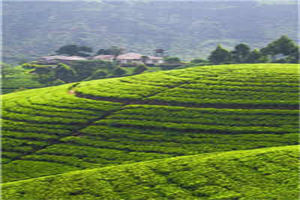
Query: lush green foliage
column 286, row 49
column 248, row 86
column 74, row 71
column 283, row 46
column 74, row 50
column 16, row 79
column 270, row 173
column 140, row 69
column 241, row 53
column 158, row 115
column 114, row 50
column 71, row 72
column 172, row 60
column 220, row 56
column 41, row 118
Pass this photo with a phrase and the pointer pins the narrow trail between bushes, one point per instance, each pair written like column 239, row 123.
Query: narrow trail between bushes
column 76, row 132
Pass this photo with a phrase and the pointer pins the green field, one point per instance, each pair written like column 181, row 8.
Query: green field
column 193, row 114
column 267, row 173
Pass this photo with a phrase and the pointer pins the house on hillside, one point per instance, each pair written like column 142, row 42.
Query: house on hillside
column 104, row 57
column 59, row 59
column 155, row 60
column 129, row 58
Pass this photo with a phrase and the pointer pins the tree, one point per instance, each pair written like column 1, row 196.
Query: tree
column 114, row 50
column 98, row 74
column 172, row 60
column 65, row 73
column 119, row 71
column 256, row 56
column 220, row 56
column 294, row 55
column 283, row 46
column 84, row 51
column 200, row 61
column 102, row 52
column 45, row 77
column 74, row 50
column 67, row 50
column 144, row 59
column 240, row 53
column 140, row 69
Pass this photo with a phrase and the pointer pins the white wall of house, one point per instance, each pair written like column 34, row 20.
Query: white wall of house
column 154, row 61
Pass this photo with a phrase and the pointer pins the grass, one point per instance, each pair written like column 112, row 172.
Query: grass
column 159, row 115
column 268, row 173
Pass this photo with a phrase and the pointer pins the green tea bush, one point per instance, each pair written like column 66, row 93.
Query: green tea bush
column 198, row 110
column 250, row 174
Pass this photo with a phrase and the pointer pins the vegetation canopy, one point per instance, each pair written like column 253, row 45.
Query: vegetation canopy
column 74, row 50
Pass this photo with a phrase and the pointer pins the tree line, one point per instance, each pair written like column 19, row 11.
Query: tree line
column 282, row 50
column 84, row 51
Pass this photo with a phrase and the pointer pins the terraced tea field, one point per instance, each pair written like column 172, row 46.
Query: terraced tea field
column 273, row 173
column 154, row 116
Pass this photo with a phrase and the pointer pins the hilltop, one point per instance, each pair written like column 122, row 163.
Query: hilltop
column 267, row 173
column 149, row 116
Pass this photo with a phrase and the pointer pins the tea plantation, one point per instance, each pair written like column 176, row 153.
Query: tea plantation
column 267, row 173
column 193, row 114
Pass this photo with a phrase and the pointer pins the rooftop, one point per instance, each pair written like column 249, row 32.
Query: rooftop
column 130, row 56
column 58, row 57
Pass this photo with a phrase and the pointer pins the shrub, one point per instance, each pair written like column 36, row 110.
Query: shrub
column 140, row 69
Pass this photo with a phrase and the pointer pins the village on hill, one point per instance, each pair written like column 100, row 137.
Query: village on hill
column 72, row 63
column 127, row 58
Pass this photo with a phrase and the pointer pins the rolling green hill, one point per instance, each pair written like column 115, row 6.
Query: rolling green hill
column 267, row 173
column 150, row 116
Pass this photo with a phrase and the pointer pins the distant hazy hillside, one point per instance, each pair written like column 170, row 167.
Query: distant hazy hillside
column 185, row 29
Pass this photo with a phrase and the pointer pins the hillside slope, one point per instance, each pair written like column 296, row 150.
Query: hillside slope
column 149, row 116
column 268, row 173
column 16, row 79
column 187, row 29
